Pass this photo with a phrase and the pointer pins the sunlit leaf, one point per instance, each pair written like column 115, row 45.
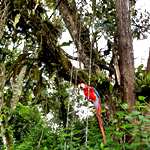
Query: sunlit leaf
column 17, row 18
column 141, row 98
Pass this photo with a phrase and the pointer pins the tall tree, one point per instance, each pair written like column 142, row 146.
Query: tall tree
column 125, row 51
column 148, row 63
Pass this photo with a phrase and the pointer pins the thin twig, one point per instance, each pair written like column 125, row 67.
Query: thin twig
column 38, row 146
column 55, row 9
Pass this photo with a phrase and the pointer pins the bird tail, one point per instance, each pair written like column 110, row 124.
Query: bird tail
column 100, row 122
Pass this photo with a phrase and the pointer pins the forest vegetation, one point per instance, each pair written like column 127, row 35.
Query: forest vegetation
column 40, row 100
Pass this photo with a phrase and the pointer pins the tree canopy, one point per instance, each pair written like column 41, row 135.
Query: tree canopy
column 39, row 94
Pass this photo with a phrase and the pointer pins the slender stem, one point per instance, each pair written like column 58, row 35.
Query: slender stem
column 86, row 132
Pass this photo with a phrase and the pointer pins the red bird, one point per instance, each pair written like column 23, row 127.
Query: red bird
column 92, row 95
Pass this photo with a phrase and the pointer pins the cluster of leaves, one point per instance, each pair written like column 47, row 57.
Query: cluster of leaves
column 124, row 131
column 129, row 130
column 142, row 84
column 28, row 21
column 30, row 130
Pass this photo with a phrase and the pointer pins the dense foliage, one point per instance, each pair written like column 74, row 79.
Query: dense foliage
column 39, row 99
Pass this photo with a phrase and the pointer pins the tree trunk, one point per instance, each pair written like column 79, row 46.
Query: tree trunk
column 17, row 85
column 125, row 51
column 5, row 134
column 148, row 63
column 3, row 15
column 7, row 137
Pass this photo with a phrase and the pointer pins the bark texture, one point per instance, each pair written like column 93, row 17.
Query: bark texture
column 3, row 15
column 125, row 51
column 148, row 63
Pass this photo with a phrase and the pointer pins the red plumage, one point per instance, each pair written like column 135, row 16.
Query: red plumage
column 89, row 93
column 92, row 95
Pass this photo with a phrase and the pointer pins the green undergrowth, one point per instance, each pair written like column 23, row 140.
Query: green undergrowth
column 124, row 130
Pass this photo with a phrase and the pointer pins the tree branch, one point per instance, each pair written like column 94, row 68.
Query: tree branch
column 69, row 56
column 81, row 37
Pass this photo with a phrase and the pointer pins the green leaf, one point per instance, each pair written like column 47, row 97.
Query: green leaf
column 45, row 148
column 17, row 18
column 141, row 98
column 124, row 106
column 127, row 126
column 135, row 113
column 120, row 114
